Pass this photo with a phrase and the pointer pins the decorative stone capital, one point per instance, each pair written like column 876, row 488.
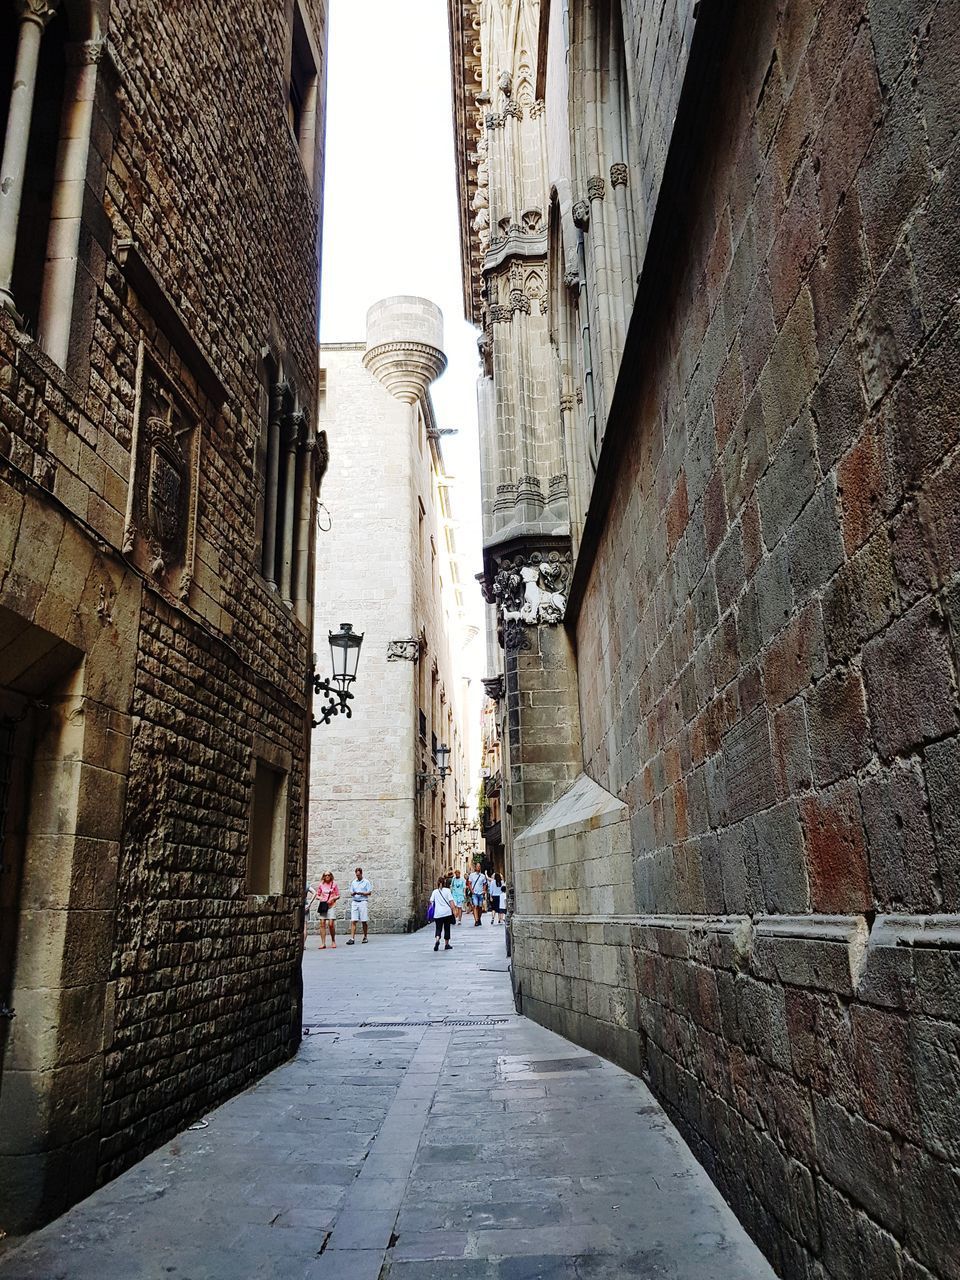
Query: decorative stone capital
column 514, row 637
column 581, row 215
column 321, row 458
column 293, row 429
column 493, row 687
column 596, row 188
column 403, row 650
column 87, row 53
column 280, row 394
column 618, row 174
column 38, row 11
column 531, row 590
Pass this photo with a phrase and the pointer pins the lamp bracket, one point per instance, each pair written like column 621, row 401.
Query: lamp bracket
column 338, row 701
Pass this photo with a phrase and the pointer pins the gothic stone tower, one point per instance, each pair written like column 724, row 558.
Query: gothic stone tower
column 525, row 491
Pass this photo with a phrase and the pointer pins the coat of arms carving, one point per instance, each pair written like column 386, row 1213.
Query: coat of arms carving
column 160, row 530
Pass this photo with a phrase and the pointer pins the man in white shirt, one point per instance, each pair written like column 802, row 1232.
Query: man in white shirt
column 360, row 892
column 478, row 886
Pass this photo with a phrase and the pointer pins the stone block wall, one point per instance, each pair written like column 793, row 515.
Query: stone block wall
column 575, row 859
column 769, row 646
column 385, row 566
column 362, row 786
column 176, row 987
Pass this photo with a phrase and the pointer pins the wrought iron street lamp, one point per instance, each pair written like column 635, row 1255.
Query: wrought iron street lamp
column 461, row 824
column 430, row 781
column 344, row 657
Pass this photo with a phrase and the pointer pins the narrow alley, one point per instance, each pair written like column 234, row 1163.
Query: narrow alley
column 423, row 1130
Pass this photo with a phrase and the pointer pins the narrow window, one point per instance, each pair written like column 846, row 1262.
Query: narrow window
column 267, row 852
column 29, row 187
column 421, row 516
column 260, row 459
column 304, row 94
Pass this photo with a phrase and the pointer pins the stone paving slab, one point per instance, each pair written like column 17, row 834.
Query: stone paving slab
column 412, row 1151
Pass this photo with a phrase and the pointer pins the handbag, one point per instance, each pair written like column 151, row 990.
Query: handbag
column 431, row 910
column 323, row 907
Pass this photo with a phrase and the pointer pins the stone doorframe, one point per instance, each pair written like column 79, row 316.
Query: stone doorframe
column 69, row 617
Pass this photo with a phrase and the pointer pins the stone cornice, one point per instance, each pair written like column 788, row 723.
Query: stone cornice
column 518, row 244
column 464, row 18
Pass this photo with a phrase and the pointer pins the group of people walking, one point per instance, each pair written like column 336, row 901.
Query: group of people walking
column 449, row 900
column 455, row 892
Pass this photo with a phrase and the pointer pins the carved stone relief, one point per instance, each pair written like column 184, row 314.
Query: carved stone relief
column 532, row 590
column 160, row 530
column 403, row 650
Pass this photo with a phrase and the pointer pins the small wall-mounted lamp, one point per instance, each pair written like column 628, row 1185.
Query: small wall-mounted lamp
column 344, row 657
column 430, row 781
column 460, row 824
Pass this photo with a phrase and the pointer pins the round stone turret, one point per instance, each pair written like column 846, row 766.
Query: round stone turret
column 405, row 345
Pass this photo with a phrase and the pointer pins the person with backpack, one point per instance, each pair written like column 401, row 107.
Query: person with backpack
column 440, row 912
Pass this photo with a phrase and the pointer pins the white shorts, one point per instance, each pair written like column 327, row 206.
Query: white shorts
column 360, row 911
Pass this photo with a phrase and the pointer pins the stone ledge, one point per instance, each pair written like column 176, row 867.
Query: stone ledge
column 585, row 806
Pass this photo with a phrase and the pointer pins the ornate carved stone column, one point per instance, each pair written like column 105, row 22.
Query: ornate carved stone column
column 292, row 429
column 542, row 753
column 66, row 213
column 314, row 457
column 278, row 398
column 34, row 16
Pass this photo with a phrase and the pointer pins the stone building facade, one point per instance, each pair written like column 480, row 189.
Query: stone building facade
column 389, row 567
column 159, row 466
column 710, row 250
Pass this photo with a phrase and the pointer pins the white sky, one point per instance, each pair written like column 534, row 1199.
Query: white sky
column 390, row 219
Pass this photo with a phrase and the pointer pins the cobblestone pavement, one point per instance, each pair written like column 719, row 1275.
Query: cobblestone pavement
column 466, row 1143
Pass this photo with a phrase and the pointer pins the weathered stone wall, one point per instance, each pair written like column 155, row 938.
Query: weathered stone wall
column 768, row 650
column 177, row 986
column 361, row 780
column 385, row 567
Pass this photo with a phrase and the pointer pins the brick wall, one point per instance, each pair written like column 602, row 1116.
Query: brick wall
column 768, row 651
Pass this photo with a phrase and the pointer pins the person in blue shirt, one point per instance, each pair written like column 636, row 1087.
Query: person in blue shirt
column 360, row 892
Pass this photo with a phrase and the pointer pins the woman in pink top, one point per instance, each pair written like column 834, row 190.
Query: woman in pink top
column 328, row 893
